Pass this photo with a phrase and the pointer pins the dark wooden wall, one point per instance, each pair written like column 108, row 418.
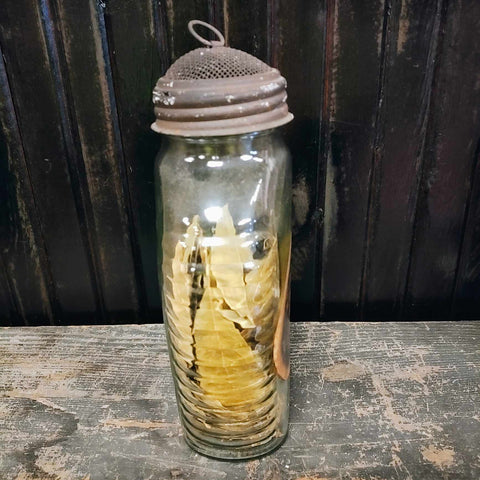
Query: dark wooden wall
column 385, row 144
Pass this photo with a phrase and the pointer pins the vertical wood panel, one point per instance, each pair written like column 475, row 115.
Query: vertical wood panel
column 354, row 97
column 26, row 269
column 96, row 122
column 136, row 67
column 8, row 311
column 298, row 52
column 34, row 81
column 411, row 46
column 160, row 20
column 452, row 139
column 179, row 14
column 248, row 27
column 467, row 294
column 216, row 16
column 385, row 145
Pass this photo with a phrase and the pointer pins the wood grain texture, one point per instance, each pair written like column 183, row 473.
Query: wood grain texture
column 466, row 304
column 31, row 59
column 357, row 63
column 160, row 20
column 8, row 309
column 248, row 23
column 179, row 14
column 452, row 140
column 216, row 16
column 411, row 41
column 96, row 123
column 298, row 39
column 136, row 66
column 369, row 401
column 385, row 146
column 25, row 270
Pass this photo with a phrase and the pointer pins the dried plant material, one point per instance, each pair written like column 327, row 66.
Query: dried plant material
column 229, row 370
column 280, row 343
column 222, row 304
column 262, row 288
column 227, row 260
column 185, row 290
column 193, row 259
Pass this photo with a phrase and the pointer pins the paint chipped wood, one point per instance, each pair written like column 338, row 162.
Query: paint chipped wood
column 96, row 124
column 136, row 66
column 42, row 158
column 452, row 132
column 382, row 227
column 369, row 401
column 356, row 65
column 411, row 37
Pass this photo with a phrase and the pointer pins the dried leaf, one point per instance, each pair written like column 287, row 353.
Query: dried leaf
column 183, row 291
column 227, row 264
column 213, row 307
column 229, row 371
column 262, row 287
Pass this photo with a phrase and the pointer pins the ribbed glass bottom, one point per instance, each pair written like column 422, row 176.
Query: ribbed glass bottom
column 228, row 452
column 216, row 434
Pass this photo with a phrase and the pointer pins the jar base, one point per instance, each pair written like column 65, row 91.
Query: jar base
column 247, row 452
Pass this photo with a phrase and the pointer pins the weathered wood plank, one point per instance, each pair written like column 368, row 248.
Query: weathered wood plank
column 8, row 311
column 216, row 16
column 25, row 275
column 160, row 20
column 466, row 303
column 369, row 401
column 31, row 60
column 92, row 99
column 452, row 140
column 297, row 43
column 355, row 76
column 179, row 14
column 247, row 28
column 136, row 66
column 412, row 33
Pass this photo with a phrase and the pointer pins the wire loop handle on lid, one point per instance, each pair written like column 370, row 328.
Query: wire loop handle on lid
column 210, row 43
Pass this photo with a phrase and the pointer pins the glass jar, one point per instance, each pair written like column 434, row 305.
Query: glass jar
column 224, row 212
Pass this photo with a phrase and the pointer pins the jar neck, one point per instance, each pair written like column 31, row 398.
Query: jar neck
column 226, row 144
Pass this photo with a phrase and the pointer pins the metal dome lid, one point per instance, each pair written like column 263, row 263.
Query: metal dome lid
column 219, row 90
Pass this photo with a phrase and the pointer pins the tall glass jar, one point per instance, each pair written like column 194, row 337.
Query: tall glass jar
column 224, row 209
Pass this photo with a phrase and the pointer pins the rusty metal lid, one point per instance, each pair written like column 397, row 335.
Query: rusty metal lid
column 219, row 90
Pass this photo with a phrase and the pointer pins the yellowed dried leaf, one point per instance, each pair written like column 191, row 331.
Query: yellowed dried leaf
column 178, row 289
column 230, row 372
column 227, row 261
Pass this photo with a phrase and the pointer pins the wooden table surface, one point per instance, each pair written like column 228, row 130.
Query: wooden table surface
column 374, row 401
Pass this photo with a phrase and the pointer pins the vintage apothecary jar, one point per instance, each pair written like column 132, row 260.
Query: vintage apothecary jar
column 224, row 206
